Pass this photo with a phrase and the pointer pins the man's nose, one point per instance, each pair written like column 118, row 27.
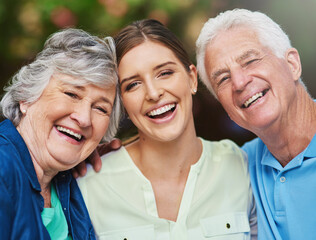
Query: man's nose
column 239, row 79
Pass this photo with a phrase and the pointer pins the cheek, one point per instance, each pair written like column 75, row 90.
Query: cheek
column 100, row 127
column 132, row 103
column 225, row 98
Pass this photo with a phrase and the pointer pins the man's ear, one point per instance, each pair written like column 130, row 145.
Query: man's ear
column 193, row 78
column 293, row 59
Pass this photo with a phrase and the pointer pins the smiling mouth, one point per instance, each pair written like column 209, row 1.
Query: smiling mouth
column 162, row 111
column 254, row 98
column 76, row 136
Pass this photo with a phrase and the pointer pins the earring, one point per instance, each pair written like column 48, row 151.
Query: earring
column 194, row 91
column 23, row 111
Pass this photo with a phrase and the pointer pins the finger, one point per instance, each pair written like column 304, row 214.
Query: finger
column 75, row 173
column 81, row 169
column 95, row 161
column 109, row 147
column 115, row 144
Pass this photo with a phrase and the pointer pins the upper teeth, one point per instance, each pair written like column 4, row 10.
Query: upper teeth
column 253, row 98
column 76, row 135
column 161, row 110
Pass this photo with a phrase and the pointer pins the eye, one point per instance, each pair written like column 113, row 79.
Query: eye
column 131, row 85
column 251, row 61
column 103, row 110
column 165, row 73
column 223, row 79
column 71, row 94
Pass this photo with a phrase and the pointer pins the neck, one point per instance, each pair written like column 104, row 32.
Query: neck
column 44, row 179
column 166, row 164
column 43, row 172
column 167, row 159
column 289, row 137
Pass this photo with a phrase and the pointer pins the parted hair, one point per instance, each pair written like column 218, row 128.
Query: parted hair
column 152, row 30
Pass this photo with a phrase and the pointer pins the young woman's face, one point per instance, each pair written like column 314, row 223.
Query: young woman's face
column 156, row 91
column 66, row 123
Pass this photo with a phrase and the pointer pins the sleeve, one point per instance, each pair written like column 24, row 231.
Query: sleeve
column 6, row 212
column 253, row 220
column 252, row 212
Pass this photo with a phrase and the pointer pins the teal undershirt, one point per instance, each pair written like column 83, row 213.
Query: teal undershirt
column 54, row 219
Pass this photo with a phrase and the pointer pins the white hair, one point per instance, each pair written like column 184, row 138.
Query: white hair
column 89, row 59
column 269, row 34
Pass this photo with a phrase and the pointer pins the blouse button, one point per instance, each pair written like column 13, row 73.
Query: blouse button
column 227, row 225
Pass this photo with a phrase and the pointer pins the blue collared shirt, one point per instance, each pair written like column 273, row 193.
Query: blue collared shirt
column 20, row 200
column 285, row 196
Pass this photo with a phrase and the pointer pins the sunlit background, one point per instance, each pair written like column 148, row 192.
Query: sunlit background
column 25, row 25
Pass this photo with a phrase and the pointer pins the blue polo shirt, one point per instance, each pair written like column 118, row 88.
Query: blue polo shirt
column 21, row 202
column 285, row 196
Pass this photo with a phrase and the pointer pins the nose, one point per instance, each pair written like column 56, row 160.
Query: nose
column 239, row 79
column 153, row 91
column 82, row 114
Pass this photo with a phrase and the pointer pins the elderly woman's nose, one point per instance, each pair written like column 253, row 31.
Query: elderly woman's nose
column 82, row 114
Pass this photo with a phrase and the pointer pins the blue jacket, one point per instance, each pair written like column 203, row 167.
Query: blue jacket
column 21, row 203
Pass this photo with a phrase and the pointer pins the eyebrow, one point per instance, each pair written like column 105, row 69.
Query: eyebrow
column 164, row 64
column 218, row 73
column 128, row 78
column 155, row 68
column 247, row 54
column 103, row 99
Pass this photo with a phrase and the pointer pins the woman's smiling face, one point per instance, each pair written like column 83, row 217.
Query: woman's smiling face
column 156, row 91
column 66, row 123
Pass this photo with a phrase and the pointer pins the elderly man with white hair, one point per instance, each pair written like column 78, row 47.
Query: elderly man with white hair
column 247, row 61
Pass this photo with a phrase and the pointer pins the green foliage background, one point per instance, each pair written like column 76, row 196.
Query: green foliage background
column 26, row 24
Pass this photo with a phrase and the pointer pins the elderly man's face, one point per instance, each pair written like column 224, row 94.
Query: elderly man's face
column 253, row 85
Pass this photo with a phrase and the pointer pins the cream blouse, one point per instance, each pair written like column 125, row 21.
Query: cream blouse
column 217, row 202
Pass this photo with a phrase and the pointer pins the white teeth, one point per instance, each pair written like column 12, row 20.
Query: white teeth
column 161, row 110
column 76, row 135
column 253, row 98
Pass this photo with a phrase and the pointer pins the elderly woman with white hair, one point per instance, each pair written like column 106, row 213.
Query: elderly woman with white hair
column 57, row 110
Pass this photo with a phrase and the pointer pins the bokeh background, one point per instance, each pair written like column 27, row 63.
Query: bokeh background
column 25, row 25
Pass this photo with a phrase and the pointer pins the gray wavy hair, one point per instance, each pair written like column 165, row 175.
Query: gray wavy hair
column 269, row 33
column 74, row 52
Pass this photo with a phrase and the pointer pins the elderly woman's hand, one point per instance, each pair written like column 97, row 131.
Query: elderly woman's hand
column 94, row 159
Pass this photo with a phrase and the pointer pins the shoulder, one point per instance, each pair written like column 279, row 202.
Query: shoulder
column 8, row 155
column 111, row 162
column 225, row 153
column 253, row 146
column 11, row 172
column 222, row 148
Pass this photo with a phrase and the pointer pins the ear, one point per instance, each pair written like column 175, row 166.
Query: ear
column 293, row 59
column 193, row 79
column 23, row 107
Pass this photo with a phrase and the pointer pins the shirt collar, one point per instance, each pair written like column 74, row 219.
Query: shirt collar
column 12, row 135
column 311, row 148
column 269, row 160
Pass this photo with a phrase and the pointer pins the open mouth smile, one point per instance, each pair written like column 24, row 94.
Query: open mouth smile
column 254, row 98
column 162, row 111
column 76, row 136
